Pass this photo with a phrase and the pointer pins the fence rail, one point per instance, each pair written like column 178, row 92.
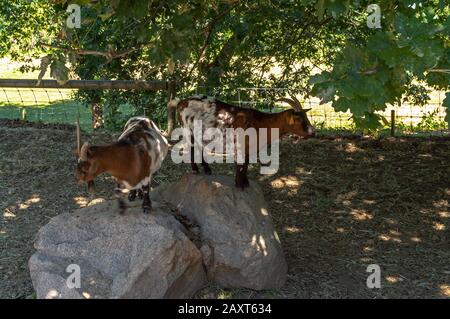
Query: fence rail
column 27, row 89
column 86, row 84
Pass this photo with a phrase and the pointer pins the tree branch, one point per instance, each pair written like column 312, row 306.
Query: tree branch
column 209, row 31
column 110, row 54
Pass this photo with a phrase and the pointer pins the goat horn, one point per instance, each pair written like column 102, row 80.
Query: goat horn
column 291, row 102
column 78, row 136
column 83, row 151
column 297, row 102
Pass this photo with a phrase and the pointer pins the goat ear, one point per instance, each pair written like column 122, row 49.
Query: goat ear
column 306, row 110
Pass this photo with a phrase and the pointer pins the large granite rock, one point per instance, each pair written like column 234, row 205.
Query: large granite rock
column 239, row 245
column 204, row 222
column 120, row 256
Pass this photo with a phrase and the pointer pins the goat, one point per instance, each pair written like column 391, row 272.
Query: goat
column 132, row 160
column 217, row 114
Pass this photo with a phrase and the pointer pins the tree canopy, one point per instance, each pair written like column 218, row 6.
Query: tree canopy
column 322, row 48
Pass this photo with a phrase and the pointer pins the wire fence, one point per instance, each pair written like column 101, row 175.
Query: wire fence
column 60, row 106
column 409, row 118
column 43, row 105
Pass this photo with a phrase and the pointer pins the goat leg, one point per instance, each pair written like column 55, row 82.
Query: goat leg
column 121, row 204
column 241, row 180
column 206, row 167
column 194, row 166
column 147, row 203
column 140, row 194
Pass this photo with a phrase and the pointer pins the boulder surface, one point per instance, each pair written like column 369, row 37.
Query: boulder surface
column 239, row 245
column 118, row 256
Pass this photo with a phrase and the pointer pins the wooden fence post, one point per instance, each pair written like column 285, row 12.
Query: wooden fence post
column 171, row 110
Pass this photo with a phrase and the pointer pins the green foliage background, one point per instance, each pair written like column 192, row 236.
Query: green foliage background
column 319, row 48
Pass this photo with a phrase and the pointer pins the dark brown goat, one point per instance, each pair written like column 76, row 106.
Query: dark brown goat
column 217, row 114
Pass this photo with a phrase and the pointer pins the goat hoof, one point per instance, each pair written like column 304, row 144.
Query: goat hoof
column 208, row 171
column 147, row 210
column 122, row 207
column 242, row 185
column 131, row 196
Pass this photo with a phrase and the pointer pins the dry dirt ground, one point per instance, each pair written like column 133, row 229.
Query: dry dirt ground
column 338, row 205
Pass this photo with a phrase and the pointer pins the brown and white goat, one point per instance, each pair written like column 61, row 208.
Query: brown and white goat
column 132, row 160
column 217, row 114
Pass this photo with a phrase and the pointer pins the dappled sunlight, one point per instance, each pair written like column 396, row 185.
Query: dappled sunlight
column 438, row 226
column 286, row 181
column 395, row 232
column 389, row 238
column 416, row 239
column 444, row 214
column 260, row 244
column 445, row 290
column 8, row 213
column 442, row 203
column 360, row 215
column 86, row 295
column 264, row 211
column 82, row 201
column 348, row 148
column 33, row 200
column 52, row 294
column 292, row 229
column 96, row 201
column 393, row 279
column 351, row 148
